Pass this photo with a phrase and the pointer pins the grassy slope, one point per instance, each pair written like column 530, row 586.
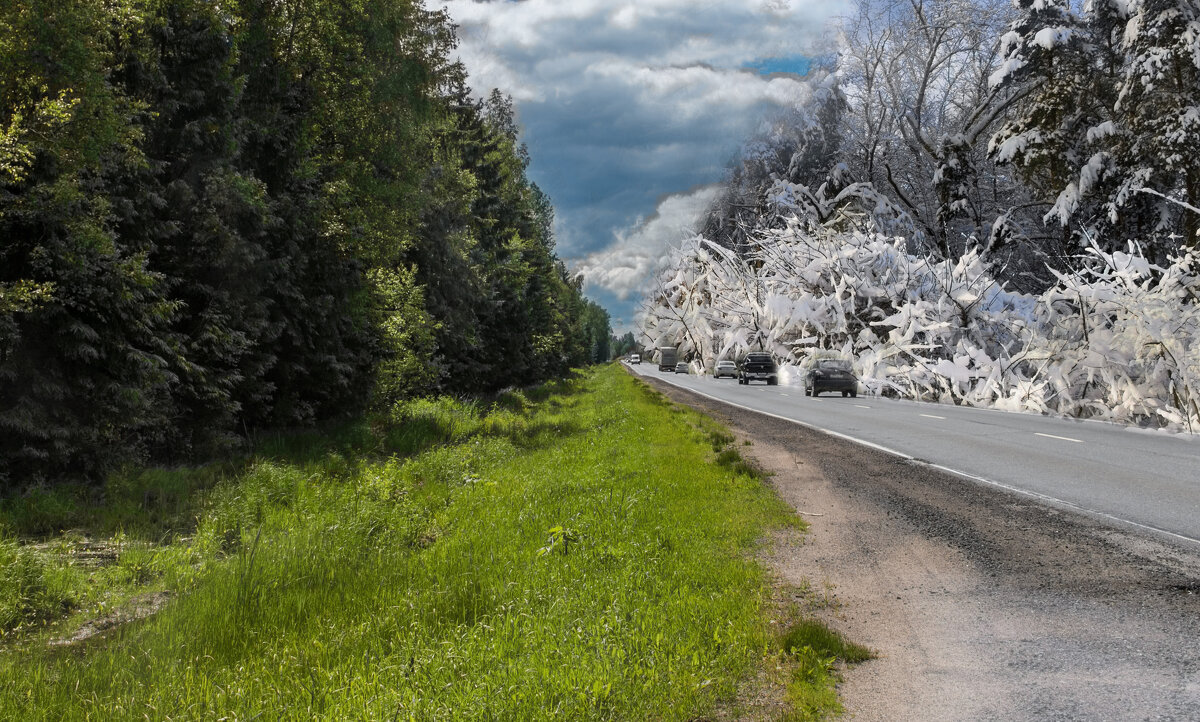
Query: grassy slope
column 578, row 557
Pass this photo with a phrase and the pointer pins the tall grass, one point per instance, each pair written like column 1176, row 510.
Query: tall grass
column 570, row 553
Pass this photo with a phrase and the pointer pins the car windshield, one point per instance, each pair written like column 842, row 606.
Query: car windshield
column 725, row 363
column 758, row 357
column 833, row 365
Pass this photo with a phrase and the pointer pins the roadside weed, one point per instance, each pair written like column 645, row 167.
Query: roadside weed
column 814, row 650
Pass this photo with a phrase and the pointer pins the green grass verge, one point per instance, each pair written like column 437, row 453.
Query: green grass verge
column 580, row 551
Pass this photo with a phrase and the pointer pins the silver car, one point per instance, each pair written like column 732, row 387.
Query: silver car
column 725, row 368
column 681, row 367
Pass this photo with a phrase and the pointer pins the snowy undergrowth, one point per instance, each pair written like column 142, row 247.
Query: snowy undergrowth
column 1118, row 340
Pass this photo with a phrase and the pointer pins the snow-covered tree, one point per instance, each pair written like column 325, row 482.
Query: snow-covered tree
column 1056, row 75
column 1158, row 108
column 1108, row 119
column 1120, row 340
column 964, row 162
column 915, row 74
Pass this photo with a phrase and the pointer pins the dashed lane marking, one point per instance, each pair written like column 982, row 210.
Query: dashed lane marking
column 1060, row 438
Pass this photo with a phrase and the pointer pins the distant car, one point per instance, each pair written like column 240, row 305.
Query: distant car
column 681, row 367
column 831, row 375
column 725, row 368
column 758, row 366
column 635, row 358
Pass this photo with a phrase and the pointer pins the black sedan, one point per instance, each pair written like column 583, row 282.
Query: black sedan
column 831, row 375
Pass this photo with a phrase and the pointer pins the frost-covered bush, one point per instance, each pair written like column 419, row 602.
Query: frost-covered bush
column 917, row 326
column 1121, row 340
column 1116, row 341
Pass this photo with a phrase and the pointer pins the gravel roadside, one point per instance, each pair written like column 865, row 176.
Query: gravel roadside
column 981, row 604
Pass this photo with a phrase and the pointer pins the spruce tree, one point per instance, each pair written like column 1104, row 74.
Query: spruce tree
column 84, row 348
column 1158, row 112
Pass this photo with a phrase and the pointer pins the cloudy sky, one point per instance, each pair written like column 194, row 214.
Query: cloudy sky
column 631, row 110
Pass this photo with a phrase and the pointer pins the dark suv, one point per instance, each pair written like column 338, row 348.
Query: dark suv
column 758, row 366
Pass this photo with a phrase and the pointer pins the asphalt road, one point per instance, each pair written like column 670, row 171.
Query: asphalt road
column 1127, row 477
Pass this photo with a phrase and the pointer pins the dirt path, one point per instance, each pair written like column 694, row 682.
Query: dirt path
column 981, row 604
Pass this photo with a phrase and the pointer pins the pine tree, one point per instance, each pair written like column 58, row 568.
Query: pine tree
column 1158, row 113
column 1050, row 63
column 1110, row 111
column 84, row 351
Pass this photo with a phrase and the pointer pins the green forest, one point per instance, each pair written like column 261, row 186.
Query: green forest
column 219, row 218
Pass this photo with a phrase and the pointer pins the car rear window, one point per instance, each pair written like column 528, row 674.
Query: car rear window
column 835, row 365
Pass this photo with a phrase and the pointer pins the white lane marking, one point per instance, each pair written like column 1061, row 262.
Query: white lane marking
column 862, row 407
column 783, row 394
column 1046, row 498
column 1060, row 438
column 931, row 416
column 1055, row 501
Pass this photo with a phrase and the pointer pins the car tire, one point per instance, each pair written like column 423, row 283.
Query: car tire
column 845, row 394
column 808, row 392
column 854, row 394
column 772, row 382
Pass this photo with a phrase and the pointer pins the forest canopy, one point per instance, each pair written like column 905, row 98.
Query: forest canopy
column 219, row 218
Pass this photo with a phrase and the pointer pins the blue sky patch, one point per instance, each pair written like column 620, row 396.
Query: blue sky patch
column 793, row 64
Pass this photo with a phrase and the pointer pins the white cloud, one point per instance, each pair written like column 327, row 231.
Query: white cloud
column 625, row 266
column 516, row 36
column 700, row 91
